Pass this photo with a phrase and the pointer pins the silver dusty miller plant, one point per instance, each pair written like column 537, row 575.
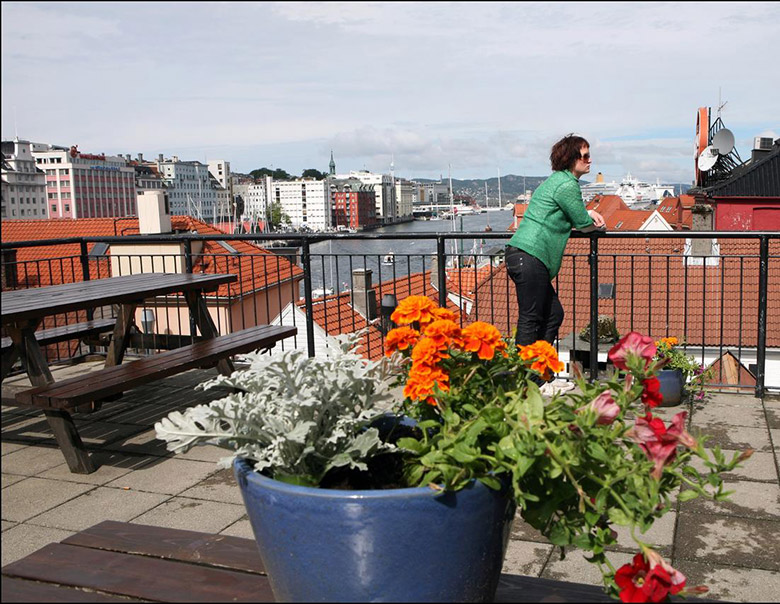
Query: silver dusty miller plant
column 295, row 417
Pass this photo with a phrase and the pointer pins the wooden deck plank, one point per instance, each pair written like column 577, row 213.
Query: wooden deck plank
column 22, row 590
column 172, row 544
column 139, row 576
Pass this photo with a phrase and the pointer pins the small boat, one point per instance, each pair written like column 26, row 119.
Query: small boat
column 322, row 292
column 389, row 258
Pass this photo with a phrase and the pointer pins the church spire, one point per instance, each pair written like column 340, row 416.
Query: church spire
column 332, row 164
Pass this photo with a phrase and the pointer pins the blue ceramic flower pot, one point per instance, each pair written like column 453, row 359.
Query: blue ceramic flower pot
column 393, row 545
column 671, row 382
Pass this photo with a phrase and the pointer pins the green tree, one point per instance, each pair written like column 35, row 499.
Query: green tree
column 277, row 174
column 312, row 173
column 276, row 216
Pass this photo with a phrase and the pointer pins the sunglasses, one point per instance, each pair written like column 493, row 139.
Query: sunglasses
column 585, row 157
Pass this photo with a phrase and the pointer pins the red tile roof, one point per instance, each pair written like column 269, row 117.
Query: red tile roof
column 256, row 267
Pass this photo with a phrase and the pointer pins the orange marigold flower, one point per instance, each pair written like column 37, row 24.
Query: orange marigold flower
column 413, row 309
column 484, row 339
column 443, row 332
column 444, row 314
column 426, row 351
column 546, row 358
column 401, row 338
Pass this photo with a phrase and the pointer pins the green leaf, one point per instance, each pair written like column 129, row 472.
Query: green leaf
column 688, row 495
column 618, row 516
column 410, row 444
column 491, row 482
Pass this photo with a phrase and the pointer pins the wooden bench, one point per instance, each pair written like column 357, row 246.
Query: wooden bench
column 77, row 391
column 66, row 332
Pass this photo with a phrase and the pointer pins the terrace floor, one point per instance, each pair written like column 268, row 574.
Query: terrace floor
column 734, row 547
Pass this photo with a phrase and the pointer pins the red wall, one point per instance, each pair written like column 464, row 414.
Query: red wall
column 747, row 214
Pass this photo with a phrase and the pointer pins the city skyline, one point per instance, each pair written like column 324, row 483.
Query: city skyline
column 484, row 88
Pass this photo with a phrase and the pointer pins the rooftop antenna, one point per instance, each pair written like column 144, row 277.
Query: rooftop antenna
column 720, row 105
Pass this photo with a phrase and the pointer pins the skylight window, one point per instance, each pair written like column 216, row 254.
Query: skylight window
column 99, row 249
column 228, row 247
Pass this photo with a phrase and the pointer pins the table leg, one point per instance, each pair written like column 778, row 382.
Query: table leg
column 124, row 319
column 200, row 313
column 60, row 421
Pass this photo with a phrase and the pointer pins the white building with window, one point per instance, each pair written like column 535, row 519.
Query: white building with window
column 189, row 187
column 306, row 201
column 23, row 184
column 220, row 171
column 405, row 196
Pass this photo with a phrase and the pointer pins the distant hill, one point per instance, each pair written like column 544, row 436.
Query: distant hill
column 511, row 186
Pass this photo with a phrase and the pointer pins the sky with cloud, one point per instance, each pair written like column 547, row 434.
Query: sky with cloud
column 475, row 88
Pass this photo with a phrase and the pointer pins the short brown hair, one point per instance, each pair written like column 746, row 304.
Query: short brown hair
column 566, row 152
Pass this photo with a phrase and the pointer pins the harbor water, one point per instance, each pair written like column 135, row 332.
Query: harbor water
column 333, row 261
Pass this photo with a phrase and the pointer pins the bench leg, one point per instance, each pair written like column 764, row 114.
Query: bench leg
column 69, row 441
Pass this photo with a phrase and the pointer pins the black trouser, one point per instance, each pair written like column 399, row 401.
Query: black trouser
column 540, row 312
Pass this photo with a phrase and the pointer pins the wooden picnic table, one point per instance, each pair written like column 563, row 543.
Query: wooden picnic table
column 24, row 310
column 114, row 561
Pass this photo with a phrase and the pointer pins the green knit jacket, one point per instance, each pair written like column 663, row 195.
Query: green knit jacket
column 555, row 208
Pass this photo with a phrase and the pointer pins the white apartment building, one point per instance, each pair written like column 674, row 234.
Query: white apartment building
column 405, row 196
column 305, row 201
column 256, row 197
column 190, row 191
column 220, row 171
column 85, row 185
column 386, row 207
column 23, row 184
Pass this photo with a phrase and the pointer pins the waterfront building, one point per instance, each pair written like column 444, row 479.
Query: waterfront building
column 305, row 201
column 86, row 185
column 223, row 185
column 405, row 195
column 189, row 188
column 386, row 207
column 23, row 184
column 353, row 204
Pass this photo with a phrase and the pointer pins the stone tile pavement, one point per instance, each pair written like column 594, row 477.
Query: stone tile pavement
column 733, row 547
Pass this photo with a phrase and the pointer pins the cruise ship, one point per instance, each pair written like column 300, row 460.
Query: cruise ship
column 633, row 192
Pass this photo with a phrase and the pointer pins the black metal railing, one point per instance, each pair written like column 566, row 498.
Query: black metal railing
column 712, row 289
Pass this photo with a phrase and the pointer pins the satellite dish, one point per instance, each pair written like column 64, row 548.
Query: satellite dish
column 723, row 141
column 707, row 158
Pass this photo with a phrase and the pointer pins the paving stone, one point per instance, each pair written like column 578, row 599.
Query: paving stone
column 32, row 460
column 193, row 515
column 9, row 447
column 111, row 465
column 775, row 435
column 210, row 453
column 660, row 536
column 166, row 476
column 736, row 438
column 24, row 539
column 728, row 415
column 525, row 532
column 577, row 569
column 773, row 419
column 144, row 442
column 734, row 399
column 241, row 528
column 28, row 498
column 728, row 540
column 5, row 525
column 750, row 500
column 526, row 557
column 97, row 505
column 9, row 479
column 219, row 486
column 24, row 429
column 760, row 467
column 731, row 584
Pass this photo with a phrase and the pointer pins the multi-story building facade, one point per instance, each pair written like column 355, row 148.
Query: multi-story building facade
column 190, row 191
column 433, row 193
column 405, row 196
column 353, row 204
column 86, row 185
column 23, row 184
column 386, row 207
column 305, row 201
column 220, row 171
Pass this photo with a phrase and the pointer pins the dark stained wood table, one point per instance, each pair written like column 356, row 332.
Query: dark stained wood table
column 24, row 310
column 114, row 561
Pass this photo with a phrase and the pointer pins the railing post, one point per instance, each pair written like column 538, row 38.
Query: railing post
column 188, row 267
column 593, row 261
column 306, row 261
column 84, row 257
column 441, row 260
column 763, row 287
